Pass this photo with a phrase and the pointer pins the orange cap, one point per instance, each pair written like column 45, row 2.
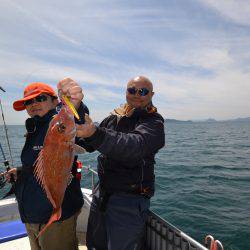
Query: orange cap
column 31, row 91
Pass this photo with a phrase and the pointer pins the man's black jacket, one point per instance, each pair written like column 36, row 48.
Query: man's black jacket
column 128, row 146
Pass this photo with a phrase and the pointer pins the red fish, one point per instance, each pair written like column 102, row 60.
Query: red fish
column 53, row 165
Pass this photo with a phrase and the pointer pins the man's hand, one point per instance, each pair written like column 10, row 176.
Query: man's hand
column 87, row 129
column 10, row 173
column 70, row 88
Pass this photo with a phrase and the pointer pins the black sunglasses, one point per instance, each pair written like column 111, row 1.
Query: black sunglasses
column 141, row 91
column 40, row 98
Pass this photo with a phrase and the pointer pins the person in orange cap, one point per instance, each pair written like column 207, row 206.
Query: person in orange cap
column 40, row 101
column 31, row 92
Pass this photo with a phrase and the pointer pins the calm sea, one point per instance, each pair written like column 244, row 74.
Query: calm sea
column 202, row 178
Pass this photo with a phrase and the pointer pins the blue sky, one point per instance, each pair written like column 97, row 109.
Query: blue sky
column 196, row 52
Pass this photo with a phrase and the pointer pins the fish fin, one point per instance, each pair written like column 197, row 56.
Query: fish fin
column 39, row 171
column 56, row 215
column 78, row 149
column 39, row 174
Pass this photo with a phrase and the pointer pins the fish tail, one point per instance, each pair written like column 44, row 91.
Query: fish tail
column 56, row 215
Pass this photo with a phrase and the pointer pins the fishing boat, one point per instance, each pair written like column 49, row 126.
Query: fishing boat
column 160, row 234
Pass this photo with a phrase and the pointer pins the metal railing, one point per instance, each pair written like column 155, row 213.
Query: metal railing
column 93, row 174
column 160, row 234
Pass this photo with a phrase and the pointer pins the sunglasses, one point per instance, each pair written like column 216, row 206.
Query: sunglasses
column 40, row 98
column 141, row 91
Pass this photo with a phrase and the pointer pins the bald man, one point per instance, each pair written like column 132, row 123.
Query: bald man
column 128, row 140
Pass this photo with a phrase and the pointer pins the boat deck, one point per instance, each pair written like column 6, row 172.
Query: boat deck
column 160, row 234
column 23, row 243
column 9, row 212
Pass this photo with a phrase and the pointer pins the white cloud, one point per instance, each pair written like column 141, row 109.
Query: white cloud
column 222, row 96
column 198, row 61
column 202, row 57
column 27, row 68
column 237, row 11
column 102, row 95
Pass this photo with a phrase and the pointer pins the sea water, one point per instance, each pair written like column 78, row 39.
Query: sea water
column 202, row 178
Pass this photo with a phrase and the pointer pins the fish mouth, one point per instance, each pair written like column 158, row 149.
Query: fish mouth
column 71, row 106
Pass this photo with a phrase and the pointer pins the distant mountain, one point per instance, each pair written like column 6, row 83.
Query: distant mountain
column 246, row 119
column 174, row 120
column 210, row 120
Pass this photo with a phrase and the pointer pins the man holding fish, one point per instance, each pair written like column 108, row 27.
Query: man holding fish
column 128, row 140
column 46, row 186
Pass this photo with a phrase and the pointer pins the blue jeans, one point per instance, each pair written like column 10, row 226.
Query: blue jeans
column 121, row 226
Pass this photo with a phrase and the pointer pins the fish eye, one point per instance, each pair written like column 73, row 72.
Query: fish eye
column 61, row 127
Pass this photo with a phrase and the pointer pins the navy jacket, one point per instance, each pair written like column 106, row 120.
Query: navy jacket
column 128, row 147
column 34, row 207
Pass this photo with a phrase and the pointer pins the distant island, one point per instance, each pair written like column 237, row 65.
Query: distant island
column 246, row 119
column 241, row 119
column 174, row 120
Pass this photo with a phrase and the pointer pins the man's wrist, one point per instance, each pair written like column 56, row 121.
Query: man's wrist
column 93, row 130
column 96, row 138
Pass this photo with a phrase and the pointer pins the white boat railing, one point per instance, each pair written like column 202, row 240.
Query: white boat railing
column 93, row 175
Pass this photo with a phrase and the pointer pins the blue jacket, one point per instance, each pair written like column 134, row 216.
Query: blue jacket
column 34, row 207
column 128, row 147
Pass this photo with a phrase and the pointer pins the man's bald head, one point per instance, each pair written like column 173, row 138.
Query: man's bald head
column 141, row 79
column 136, row 100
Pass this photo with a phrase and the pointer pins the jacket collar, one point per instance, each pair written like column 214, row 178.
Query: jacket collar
column 35, row 122
column 128, row 111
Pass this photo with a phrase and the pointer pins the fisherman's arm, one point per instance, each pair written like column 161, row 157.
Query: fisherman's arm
column 147, row 138
column 72, row 89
